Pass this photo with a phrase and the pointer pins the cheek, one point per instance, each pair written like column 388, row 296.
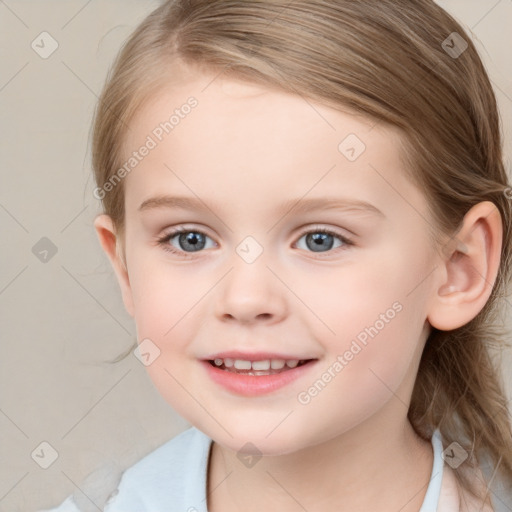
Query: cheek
column 169, row 300
column 377, row 313
column 165, row 296
column 352, row 298
column 166, row 301
column 367, row 364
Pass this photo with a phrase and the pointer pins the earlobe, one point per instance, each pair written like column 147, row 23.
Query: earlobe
column 111, row 244
column 468, row 270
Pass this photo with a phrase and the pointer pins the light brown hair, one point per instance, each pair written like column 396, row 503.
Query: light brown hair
column 385, row 60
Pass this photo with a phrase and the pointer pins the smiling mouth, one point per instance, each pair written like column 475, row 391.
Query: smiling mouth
column 257, row 368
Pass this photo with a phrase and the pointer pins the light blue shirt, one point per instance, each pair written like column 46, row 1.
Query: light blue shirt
column 173, row 478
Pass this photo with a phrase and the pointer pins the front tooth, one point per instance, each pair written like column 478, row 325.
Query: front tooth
column 228, row 363
column 240, row 364
column 277, row 364
column 292, row 363
column 261, row 365
column 218, row 362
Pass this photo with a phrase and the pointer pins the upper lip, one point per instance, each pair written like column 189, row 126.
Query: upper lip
column 255, row 356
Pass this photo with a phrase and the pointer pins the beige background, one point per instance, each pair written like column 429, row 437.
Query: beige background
column 61, row 320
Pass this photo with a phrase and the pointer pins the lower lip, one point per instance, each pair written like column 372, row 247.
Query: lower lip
column 251, row 385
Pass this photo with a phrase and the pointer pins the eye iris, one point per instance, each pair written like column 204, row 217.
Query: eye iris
column 319, row 241
column 195, row 239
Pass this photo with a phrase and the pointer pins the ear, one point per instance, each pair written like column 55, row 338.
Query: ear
column 112, row 245
column 468, row 269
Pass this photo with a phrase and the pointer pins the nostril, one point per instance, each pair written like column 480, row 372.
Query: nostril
column 264, row 315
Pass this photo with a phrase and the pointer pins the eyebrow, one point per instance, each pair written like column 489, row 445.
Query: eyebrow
column 297, row 205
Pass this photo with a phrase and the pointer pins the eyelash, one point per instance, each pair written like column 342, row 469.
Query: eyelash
column 163, row 241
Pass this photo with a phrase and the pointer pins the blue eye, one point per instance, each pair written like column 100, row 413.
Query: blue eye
column 322, row 240
column 189, row 240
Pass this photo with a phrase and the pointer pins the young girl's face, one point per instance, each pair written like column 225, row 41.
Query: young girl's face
column 260, row 174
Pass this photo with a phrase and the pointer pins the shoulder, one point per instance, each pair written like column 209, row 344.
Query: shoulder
column 171, row 477
column 455, row 498
column 168, row 478
column 170, row 457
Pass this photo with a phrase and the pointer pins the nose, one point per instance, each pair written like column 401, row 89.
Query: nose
column 250, row 293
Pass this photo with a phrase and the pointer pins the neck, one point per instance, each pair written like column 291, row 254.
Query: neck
column 366, row 468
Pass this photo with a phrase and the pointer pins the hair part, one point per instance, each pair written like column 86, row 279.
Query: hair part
column 384, row 60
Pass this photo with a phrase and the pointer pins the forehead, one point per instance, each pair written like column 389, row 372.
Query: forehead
column 258, row 141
